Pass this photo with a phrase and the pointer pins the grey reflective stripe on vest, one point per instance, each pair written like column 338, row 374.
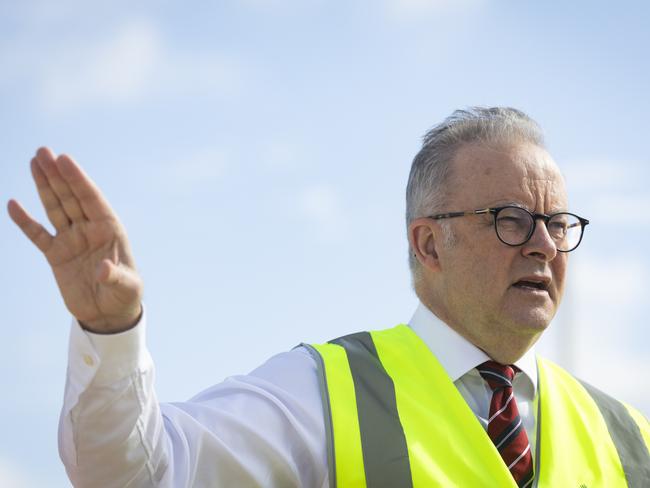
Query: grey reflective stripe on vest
column 327, row 411
column 385, row 455
column 627, row 438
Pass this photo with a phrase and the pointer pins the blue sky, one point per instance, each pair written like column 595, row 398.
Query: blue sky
column 257, row 153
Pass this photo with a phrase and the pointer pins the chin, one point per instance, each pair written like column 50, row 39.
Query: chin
column 536, row 320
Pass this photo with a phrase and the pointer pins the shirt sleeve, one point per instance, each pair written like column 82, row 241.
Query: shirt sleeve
column 264, row 429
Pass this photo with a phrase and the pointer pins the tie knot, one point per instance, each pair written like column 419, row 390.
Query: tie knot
column 497, row 375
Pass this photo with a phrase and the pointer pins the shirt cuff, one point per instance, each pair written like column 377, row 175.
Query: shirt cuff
column 104, row 359
column 98, row 360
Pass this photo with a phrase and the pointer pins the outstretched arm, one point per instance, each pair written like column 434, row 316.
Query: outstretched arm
column 102, row 435
column 262, row 429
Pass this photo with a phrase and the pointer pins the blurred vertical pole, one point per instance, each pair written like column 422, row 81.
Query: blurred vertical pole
column 567, row 347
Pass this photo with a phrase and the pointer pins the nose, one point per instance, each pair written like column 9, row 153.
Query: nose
column 540, row 245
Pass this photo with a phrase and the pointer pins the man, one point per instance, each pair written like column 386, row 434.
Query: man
column 456, row 398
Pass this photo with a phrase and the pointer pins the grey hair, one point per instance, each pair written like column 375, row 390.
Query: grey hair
column 428, row 189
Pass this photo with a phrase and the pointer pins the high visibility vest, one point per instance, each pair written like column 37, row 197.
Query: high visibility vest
column 395, row 419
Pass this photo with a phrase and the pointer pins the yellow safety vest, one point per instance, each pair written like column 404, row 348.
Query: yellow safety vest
column 395, row 419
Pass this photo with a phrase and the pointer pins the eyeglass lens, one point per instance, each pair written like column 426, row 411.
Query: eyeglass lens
column 514, row 227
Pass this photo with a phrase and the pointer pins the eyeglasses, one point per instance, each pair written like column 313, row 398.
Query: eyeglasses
column 515, row 225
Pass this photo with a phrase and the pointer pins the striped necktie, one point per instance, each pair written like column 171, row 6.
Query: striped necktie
column 505, row 427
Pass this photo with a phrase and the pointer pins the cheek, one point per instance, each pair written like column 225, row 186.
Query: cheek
column 559, row 268
column 480, row 268
column 488, row 272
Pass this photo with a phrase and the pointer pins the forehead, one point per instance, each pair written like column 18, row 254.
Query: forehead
column 521, row 173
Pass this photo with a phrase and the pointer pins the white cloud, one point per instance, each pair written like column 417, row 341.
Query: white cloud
column 117, row 69
column 323, row 208
column 122, row 62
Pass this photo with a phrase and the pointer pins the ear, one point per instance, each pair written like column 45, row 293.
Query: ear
column 424, row 235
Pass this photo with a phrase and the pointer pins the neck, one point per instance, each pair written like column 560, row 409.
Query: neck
column 507, row 351
column 502, row 345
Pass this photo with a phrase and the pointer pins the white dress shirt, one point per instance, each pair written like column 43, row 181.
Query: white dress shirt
column 459, row 358
column 264, row 429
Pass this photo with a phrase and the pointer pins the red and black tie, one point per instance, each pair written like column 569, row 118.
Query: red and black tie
column 505, row 427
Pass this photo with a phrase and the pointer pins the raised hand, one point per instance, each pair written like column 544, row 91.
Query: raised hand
column 90, row 254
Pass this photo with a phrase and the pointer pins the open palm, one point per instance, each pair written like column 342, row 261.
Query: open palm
column 89, row 255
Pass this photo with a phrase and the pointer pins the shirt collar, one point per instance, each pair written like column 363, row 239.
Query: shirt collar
column 455, row 353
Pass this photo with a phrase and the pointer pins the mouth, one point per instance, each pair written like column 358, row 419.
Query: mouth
column 533, row 284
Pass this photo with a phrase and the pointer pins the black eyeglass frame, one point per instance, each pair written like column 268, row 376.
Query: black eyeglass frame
column 535, row 216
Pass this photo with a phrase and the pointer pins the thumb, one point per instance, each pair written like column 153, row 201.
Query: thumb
column 110, row 274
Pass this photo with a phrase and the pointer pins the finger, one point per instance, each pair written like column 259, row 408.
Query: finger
column 67, row 200
column 55, row 212
column 34, row 231
column 93, row 203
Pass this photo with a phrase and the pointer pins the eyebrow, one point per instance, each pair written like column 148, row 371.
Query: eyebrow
column 505, row 203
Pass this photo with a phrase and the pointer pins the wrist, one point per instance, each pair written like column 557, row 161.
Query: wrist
column 113, row 325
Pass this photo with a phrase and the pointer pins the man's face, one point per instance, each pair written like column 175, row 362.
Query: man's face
column 481, row 289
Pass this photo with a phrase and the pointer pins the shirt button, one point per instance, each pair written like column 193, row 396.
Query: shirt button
column 88, row 360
